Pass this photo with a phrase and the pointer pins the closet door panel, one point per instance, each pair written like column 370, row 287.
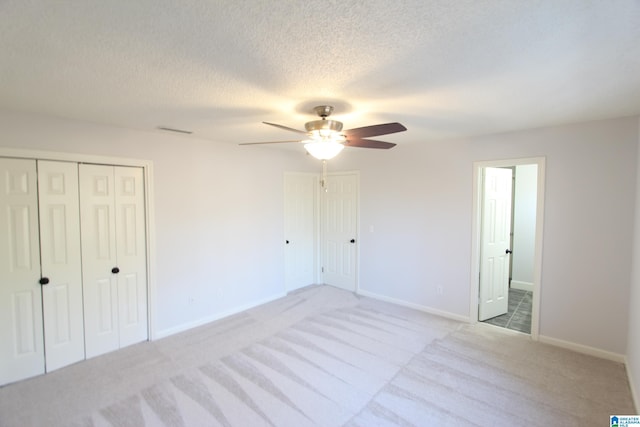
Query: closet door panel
column 61, row 263
column 99, row 258
column 21, row 332
column 131, row 246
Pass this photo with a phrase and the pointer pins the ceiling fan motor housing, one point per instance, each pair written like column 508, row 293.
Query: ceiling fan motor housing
column 317, row 125
column 323, row 128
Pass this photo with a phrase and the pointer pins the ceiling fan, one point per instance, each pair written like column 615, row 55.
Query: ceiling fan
column 324, row 139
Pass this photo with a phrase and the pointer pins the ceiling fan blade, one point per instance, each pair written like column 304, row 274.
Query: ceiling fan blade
column 268, row 142
column 285, row 127
column 375, row 130
column 369, row 143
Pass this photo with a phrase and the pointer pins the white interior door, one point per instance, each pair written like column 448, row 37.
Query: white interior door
column 300, row 195
column 495, row 242
column 98, row 228
column 339, row 228
column 21, row 332
column 61, row 263
column 131, row 255
column 113, row 256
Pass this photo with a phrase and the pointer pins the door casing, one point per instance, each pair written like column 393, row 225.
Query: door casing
column 476, row 235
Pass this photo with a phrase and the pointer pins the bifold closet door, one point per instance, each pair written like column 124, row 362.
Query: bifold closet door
column 132, row 255
column 113, row 257
column 21, row 332
column 61, row 263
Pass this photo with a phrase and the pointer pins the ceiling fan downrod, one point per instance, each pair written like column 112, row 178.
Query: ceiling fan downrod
column 323, row 111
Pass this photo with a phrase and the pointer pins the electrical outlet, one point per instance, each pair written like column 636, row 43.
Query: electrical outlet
column 439, row 290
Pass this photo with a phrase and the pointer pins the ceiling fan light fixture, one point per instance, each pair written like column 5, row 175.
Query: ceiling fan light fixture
column 326, row 135
column 323, row 150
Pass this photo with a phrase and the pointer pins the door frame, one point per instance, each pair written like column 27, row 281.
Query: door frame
column 478, row 167
column 147, row 167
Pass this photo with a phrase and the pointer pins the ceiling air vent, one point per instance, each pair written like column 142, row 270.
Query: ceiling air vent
column 188, row 132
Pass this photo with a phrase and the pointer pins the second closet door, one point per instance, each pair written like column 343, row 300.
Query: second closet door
column 113, row 257
column 61, row 263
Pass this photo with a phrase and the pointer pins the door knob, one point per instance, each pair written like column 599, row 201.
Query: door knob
column 353, row 240
column 508, row 252
column 115, row 270
column 286, row 241
column 44, row 280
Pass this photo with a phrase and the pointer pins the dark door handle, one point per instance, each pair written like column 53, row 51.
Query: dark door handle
column 353, row 240
column 508, row 252
column 115, row 270
column 44, row 280
column 286, row 241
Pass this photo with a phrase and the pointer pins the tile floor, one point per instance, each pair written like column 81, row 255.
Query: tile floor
column 518, row 318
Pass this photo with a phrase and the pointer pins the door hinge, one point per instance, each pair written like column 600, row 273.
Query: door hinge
column 322, row 269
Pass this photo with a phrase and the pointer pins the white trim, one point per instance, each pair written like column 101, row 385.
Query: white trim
column 523, row 286
column 584, row 349
column 634, row 392
column 475, row 233
column 423, row 308
column 500, row 329
column 147, row 166
column 203, row 321
column 151, row 246
column 579, row 348
column 72, row 157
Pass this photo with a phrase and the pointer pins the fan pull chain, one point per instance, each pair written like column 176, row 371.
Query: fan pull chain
column 323, row 181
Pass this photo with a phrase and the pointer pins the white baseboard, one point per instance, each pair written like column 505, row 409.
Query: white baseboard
column 419, row 307
column 585, row 349
column 592, row 351
column 634, row 394
column 203, row 321
column 523, row 286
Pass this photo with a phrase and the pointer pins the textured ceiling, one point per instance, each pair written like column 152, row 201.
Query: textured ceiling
column 218, row 68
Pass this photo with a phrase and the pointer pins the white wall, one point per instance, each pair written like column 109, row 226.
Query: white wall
column 219, row 218
column 633, row 346
column 419, row 200
column 218, row 211
column 524, row 226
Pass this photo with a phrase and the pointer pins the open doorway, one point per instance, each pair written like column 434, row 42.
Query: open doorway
column 508, row 197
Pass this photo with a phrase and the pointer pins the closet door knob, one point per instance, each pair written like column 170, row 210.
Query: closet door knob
column 44, row 280
column 353, row 240
column 115, row 270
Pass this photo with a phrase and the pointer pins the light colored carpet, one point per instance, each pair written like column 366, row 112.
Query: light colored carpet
column 325, row 357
